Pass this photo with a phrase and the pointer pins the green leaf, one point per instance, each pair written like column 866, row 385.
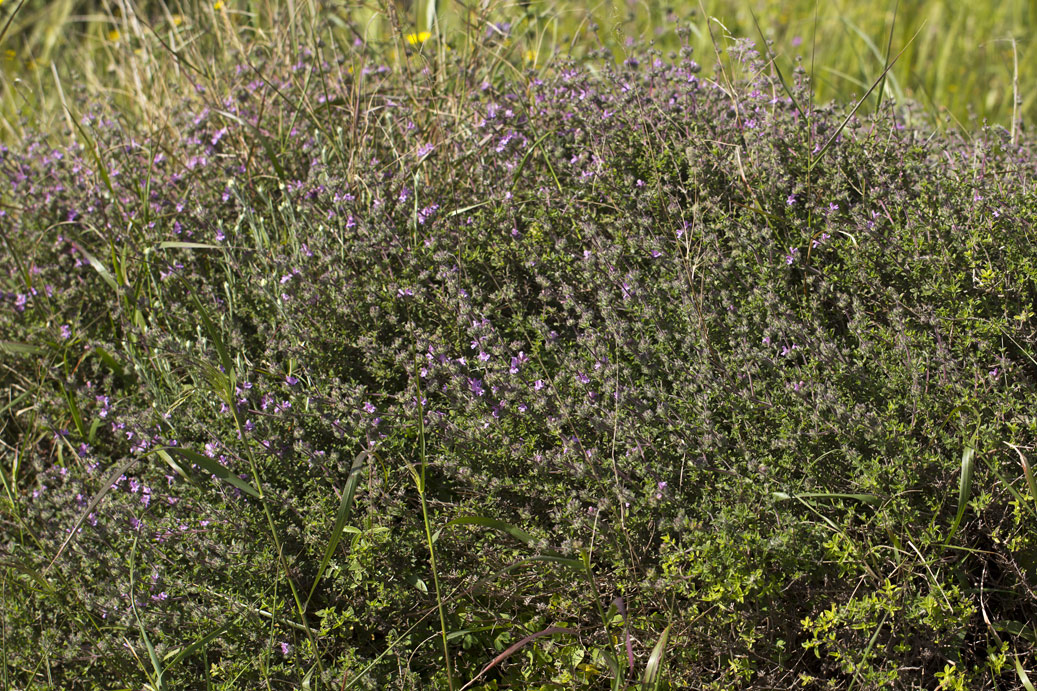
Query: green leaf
column 180, row 654
column 653, row 670
column 866, row 498
column 73, row 409
column 16, row 348
column 209, row 465
column 106, row 487
column 100, row 268
column 964, row 488
column 1022, row 675
column 517, row 533
column 187, row 246
column 345, row 508
column 430, row 14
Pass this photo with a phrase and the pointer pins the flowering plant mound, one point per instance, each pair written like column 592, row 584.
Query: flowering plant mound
column 756, row 376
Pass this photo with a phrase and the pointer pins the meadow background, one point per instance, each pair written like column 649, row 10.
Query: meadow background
column 534, row 345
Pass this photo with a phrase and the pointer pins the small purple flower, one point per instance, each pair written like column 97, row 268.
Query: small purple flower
column 66, row 332
column 476, row 386
column 517, row 362
column 824, row 236
column 285, row 648
column 791, row 199
column 368, row 407
column 483, row 356
column 791, row 256
column 538, row 384
column 291, row 381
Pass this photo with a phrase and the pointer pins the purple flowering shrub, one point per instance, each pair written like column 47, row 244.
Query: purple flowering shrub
column 638, row 313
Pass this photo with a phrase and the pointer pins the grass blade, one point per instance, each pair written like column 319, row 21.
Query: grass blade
column 846, row 120
column 866, row 498
column 106, row 487
column 964, row 488
column 209, row 465
column 15, row 348
column 345, row 508
column 653, row 670
column 100, row 268
column 517, row 533
column 1027, row 473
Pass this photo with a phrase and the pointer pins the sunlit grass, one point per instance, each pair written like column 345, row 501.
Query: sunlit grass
column 966, row 60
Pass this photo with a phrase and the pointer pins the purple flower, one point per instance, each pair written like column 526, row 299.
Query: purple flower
column 368, row 407
column 476, row 386
column 292, row 381
column 483, row 357
column 285, row 648
column 538, row 384
column 824, row 236
column 791, row 256
column 66, row 332
column 517, row 362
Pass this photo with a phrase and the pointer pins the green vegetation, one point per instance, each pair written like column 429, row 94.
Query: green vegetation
column 481, row 348
column 960, row 61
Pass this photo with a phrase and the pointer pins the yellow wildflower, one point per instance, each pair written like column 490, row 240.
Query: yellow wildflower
column 177, row 20
column 218, row 6
column 531, row 56
column 114, row 35
column 415, row 39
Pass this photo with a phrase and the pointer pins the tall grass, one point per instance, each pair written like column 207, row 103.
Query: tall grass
column 966, row 60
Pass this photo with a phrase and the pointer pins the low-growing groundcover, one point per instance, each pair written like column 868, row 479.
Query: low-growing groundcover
column 614, row 376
